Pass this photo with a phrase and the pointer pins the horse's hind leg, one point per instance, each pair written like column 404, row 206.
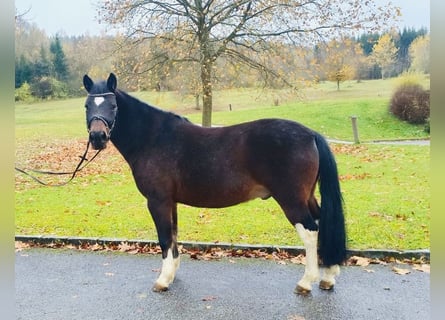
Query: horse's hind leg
column 299, row 215
column 327, row 281
column 165, row 218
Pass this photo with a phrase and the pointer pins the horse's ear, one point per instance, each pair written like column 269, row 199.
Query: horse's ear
column 112, row 82
column 87, row 83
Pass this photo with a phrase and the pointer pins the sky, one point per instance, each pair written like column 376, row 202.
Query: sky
column 77, row 17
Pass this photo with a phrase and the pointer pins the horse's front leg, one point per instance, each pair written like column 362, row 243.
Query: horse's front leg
column 165, row 218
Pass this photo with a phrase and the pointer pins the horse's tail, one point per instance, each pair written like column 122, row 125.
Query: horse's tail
column 332, row 232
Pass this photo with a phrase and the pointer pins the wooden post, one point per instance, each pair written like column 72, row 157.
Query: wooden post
column 355, row 129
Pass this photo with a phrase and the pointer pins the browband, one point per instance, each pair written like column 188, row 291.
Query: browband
column 100, row 94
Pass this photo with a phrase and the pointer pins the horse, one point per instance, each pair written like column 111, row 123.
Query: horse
column 175, row 161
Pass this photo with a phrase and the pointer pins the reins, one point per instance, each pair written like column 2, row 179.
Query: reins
column 79, row 167
column 83, row 158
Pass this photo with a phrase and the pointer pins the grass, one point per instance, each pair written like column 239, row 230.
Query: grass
column 386, row 188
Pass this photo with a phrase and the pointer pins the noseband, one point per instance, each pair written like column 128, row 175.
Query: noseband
column 99, row 117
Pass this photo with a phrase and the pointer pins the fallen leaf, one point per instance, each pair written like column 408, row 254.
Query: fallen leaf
column 19, row 246
column 300, row 259
column 359, row 261
column 423, row 268
column 400, row 271
column 96, row 247
column 124, row 247
column 295, row 317
column 208, row 298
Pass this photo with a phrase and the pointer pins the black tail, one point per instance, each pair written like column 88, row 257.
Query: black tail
column 332, row 232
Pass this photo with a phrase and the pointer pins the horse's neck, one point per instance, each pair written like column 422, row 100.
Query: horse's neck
column 137, row 124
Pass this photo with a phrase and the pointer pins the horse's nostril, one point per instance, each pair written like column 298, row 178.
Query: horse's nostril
column 98, row 136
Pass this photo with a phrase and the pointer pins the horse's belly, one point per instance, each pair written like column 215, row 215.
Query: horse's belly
column 223, row 197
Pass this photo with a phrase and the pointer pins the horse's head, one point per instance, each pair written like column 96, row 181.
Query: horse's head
column 101, row 110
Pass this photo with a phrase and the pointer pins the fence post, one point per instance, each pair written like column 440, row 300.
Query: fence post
column 355, row 129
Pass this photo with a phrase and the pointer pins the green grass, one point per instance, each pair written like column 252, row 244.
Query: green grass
column 374, row 122
column 386, row 188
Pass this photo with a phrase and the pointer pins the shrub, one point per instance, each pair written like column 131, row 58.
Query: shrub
column 411, row 103
column 23, row 93
column 48, row 87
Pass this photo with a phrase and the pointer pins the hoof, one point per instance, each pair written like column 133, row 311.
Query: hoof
column 302, row 291
column 159, row 288
column 325, row 285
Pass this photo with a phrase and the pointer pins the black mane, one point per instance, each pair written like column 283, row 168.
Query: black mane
column 141, row 104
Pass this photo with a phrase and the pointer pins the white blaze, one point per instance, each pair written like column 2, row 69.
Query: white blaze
column 98, row 100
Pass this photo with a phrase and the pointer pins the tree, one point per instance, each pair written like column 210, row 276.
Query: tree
column 60, row 65
column 367, row 41
column 239, row 30
column 23, row 71
column 341, row 61
column 403, row 41
column 384, row 53
column 419, row 52
column 43, row 66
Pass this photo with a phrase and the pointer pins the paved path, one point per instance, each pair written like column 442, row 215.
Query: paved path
column 70, row 284
column 418, row 142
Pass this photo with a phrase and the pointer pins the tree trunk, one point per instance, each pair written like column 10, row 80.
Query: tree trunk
column 197, row 103
column 206, row 80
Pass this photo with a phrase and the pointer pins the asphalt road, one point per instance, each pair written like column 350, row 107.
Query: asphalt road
column 70, row 284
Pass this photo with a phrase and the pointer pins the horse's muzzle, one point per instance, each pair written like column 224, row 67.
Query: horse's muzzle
column 99, row 135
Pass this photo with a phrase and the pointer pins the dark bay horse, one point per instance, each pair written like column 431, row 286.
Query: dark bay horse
column 174, row 161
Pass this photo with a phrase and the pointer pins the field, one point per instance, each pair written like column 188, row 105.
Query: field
column 385, row 187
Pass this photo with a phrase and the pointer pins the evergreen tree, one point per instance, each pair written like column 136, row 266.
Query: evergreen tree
column 403, row 42
column 367, row 42
column 23, row 71
column 60, row 64
column 42, row 67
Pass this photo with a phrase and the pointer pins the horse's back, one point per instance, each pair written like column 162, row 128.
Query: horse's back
column 228, row 165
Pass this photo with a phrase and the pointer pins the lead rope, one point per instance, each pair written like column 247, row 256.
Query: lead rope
column 79, row 167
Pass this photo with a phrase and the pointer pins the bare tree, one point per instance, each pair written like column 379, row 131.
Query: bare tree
column 201, row 31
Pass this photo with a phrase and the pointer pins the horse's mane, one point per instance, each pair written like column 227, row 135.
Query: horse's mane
column 141, row 104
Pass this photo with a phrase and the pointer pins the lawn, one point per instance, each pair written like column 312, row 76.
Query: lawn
column 385, row 187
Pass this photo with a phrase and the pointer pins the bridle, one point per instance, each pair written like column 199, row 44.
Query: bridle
column 101, row 118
